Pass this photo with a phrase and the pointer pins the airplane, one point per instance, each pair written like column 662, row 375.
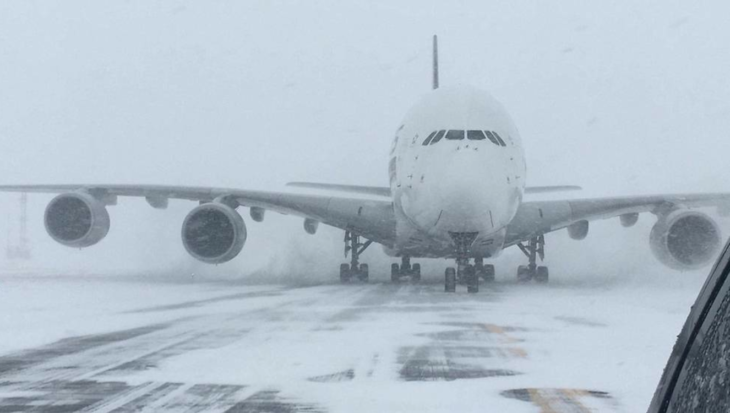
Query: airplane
column 457, row 180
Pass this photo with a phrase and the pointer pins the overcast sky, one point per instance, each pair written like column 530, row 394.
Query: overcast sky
column 620, row 97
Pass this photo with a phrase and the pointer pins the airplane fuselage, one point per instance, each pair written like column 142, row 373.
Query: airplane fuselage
column 457, row 167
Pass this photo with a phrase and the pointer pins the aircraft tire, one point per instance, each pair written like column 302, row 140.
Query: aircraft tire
column 523, row 274
column 344, row 273
column 416, row 272
column 487, row 273
column 394, row 272
column 364, row 274
column 543, row 275
column 450, row 282
column 472, row 281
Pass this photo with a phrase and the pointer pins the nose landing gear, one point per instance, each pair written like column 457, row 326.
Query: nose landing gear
column 464, row 272
column 405, row 269
column 526, row 273
column 354, row 269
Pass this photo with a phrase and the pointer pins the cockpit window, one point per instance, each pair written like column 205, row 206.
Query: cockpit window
column 491, row 137
column 455, row 135
column 475, row 135
column 499, row 138
column 428, row 140
column 439, row 135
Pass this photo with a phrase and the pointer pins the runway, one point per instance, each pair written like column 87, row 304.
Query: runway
column 83, row 344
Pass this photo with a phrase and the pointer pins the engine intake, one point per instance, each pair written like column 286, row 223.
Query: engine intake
column 213, row 233
column 311, row 225
column 76, row 219
column 685, row 240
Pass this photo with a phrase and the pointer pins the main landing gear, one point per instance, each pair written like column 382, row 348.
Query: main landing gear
column 354, row 269
column 405, row 269
column 465, row 273
column 485, row 272
column 526, row 273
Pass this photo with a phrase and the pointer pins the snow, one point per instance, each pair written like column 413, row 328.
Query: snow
column 39, row 310
column 345, row 348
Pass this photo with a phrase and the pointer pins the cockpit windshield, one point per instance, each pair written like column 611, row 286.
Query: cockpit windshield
column 428, row 140
column 458, row 134
column 455, row 135
column 492, row 138
column 499, row 138
column 475, row 135
column 440, row 134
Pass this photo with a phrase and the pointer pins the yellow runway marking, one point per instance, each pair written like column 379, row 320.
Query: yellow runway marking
column 559, row 400
column 506, row 338
column 518, row 352
column 498, row 330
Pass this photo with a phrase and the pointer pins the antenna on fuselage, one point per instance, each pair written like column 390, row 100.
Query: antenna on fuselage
column 435, row 62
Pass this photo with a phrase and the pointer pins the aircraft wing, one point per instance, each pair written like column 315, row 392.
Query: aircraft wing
column 365, row 190
column 385, row 191
column 548, row 189
column 373, row 219
column 541, row 217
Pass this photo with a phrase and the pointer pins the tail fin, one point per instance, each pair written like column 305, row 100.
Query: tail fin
column 435, row 62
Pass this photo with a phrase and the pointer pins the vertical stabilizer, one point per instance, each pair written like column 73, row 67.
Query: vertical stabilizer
column 435, row 62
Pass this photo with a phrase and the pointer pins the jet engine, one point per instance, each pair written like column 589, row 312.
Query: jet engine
column 311, row 225
column 685, row 240
column 76, row 219
column 213, row 233
column 578, row 230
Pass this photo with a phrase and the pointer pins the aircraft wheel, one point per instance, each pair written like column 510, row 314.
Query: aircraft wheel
column 523, row 274
column 450, row 284
column 486, row 272
column 394, row 273
column 472, row 281
column 364, row 274
column 416, row 272
column 344, row 273
column 542, row 275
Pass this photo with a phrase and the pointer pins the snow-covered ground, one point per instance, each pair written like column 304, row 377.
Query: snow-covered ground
column 129, row 345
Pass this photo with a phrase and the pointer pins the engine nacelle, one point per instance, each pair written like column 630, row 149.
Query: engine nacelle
column 685, row 240
column 578, row 230
column 311, row 225
column 76, row 219
column 257, row 214
column 629, row 220
column 213, row 233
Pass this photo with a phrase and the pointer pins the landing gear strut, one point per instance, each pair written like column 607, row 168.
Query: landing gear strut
column 405, row 269
column 354, row 268
column 526, row 273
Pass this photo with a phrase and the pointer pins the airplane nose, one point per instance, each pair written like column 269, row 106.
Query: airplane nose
column 462, row 196
column 460, row 193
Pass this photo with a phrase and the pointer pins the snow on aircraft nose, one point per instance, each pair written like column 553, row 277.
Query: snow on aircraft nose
column 461, row 193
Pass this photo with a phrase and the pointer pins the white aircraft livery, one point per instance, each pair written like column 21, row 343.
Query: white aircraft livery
column 457, row 180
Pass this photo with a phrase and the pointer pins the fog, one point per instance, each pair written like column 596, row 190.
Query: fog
column 621, row 97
